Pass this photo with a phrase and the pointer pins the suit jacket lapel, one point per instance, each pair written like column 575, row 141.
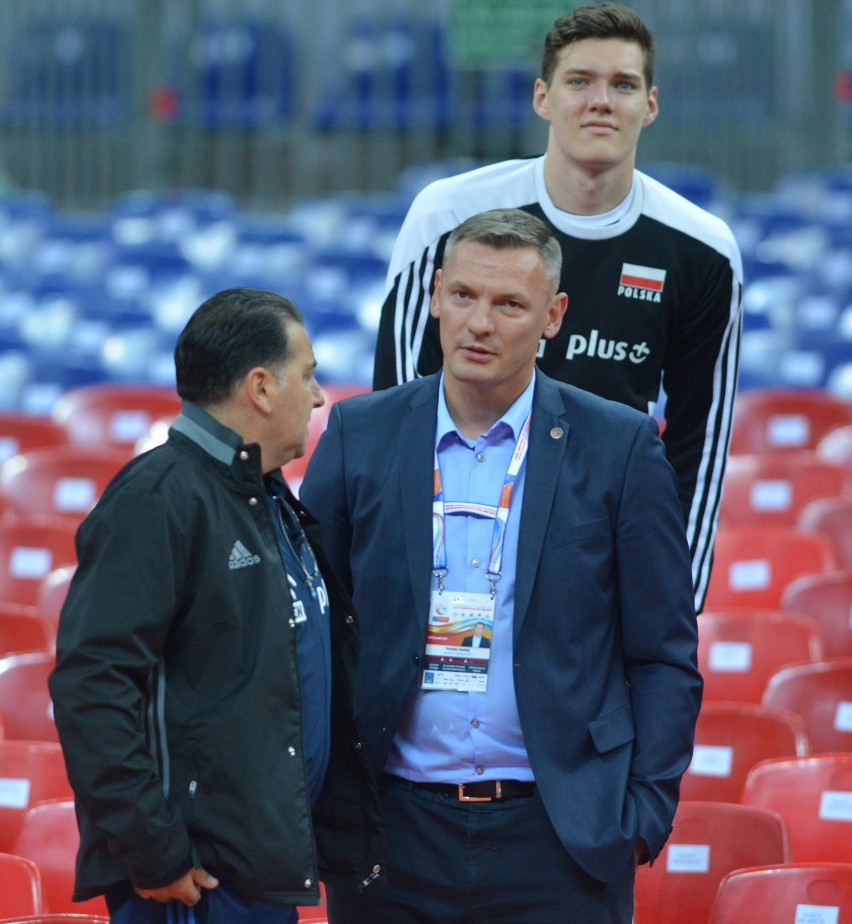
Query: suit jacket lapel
column 416, row 441
column 548, row 440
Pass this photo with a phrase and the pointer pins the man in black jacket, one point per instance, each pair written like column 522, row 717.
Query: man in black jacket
column 206, row 652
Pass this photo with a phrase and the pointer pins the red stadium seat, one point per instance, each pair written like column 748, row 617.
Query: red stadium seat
column 798, row 893
column 54, row 589
column 58, row 919
column 830, row 517
column 739, row 650
column 821, row 693
column 24, row 697
column 708, row 841
column 30, row 772
column 753, row 564
column 20, row 886
column 60, row 481
column 826, row 599
column 814, row 797
column 49, row 836
column 836, row 446
column 22, row 432
column 31, row 547
column 730, row 739
column 109, row 414
column 314, row 914
column 773, row 489
column 25, row 628
column 781, row 420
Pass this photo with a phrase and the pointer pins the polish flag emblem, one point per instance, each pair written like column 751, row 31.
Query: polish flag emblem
column 642, row 277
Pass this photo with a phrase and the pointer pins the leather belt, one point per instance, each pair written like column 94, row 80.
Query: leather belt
column 481, row 790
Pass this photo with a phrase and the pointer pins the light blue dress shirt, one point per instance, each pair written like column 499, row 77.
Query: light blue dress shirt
column 449, row 736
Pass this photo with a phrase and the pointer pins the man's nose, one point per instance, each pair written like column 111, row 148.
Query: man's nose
column 480, row 319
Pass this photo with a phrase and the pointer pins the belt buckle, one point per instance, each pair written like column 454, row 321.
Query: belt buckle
column 463, row 797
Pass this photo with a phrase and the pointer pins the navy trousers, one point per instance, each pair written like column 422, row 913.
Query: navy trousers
column 477, row 863
column 217, row 906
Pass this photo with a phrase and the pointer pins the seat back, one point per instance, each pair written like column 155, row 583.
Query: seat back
column 30, row 772
column 740, row 649
column 814, row 797
column 21, row 891
column 795, row 892
column 730, row 739
column 780, row 419
column 110, row 414
column 826, row 599
column 773, row 489
column 49, row 836
column 54, row 589
column 753, row 564
column 31, row 547
column 709, row 840
column 59, row 919
column 821, row 693
column 24, row 697
column 61, row 481
column 836, row 446
column 25, row 628
column 22, row 432
column 830, row 516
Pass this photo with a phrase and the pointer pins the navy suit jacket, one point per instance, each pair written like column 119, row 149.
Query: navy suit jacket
column 604, row 625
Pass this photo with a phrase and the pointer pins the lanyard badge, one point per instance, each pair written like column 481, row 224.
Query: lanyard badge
column 459, row 632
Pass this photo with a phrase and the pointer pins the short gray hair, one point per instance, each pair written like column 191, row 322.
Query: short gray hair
column 511, row 229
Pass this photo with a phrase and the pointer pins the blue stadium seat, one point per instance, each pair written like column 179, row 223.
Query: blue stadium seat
column 394, row 75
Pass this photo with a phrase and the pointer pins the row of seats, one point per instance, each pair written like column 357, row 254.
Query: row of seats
column 729, row 863
column 713, row 757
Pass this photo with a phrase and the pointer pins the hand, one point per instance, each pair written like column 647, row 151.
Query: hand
column 187, row 889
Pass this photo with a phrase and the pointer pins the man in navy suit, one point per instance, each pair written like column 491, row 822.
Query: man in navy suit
column 479, row 639
column 523, row 787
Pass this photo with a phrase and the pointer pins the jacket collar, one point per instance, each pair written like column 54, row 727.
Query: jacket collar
column 219, row 442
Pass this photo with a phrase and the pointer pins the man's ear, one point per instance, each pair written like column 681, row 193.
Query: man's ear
column 540, row 100
column 433, row 304
column 555, row 314
column 257, row 387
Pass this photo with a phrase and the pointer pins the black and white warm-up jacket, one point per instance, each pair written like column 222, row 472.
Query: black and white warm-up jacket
column 654, row 300
column 176, row 691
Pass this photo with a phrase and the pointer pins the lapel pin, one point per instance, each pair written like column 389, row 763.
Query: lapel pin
column 556, row 432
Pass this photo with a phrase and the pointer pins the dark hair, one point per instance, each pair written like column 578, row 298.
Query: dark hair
column 231, row 333
column 602, row 21
column 510, row 229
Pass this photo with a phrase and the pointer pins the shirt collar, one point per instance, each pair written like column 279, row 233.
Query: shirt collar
column 514, row 417
column 214, row 438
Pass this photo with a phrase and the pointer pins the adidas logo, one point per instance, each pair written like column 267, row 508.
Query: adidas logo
column 240, row 557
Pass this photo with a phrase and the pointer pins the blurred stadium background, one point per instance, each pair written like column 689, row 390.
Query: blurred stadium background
column 153, row 151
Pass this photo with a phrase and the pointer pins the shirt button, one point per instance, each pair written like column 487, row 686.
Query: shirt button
column 480, row 457
column 244, row 456
column 291, row 751
column 476, row 563
column 475, row 723
column 480, row 771
column 292, row 623
column 252, row 502
column 308, row 883
column 350, row 619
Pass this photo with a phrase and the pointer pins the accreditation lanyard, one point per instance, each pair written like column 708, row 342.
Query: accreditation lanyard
column 500, row 515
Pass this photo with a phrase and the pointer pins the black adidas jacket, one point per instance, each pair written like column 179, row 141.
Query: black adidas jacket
column 176, row 688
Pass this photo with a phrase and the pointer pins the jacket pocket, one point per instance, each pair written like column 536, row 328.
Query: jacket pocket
column 612, row 730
